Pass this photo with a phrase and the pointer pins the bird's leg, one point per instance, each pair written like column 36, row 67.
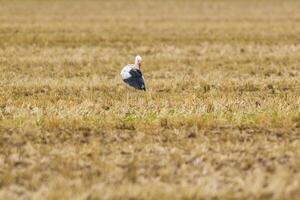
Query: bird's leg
column 127, row 97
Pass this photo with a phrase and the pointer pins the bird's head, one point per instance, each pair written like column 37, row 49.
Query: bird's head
column 138, row 61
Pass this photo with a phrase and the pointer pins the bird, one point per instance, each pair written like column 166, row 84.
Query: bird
column 131, row 74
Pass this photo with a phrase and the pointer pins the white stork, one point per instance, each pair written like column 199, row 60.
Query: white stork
column 132, row 75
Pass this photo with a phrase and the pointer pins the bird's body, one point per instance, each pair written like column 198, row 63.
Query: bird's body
column 132, row 75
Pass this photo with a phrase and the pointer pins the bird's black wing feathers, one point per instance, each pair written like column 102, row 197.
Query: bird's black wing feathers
column 136, row 73
column 136, row 80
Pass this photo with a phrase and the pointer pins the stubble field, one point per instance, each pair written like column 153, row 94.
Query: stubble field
column 220, row 118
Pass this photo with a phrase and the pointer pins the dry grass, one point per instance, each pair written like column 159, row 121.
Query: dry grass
column 220, row 119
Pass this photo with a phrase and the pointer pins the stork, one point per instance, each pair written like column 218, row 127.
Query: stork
column 131, row 74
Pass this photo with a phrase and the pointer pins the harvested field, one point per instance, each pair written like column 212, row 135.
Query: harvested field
column 220, row 118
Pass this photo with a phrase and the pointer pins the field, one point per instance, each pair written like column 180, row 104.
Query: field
column 220, row 118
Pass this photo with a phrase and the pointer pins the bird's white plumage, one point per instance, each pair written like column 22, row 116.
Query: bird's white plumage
column 125, row 71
